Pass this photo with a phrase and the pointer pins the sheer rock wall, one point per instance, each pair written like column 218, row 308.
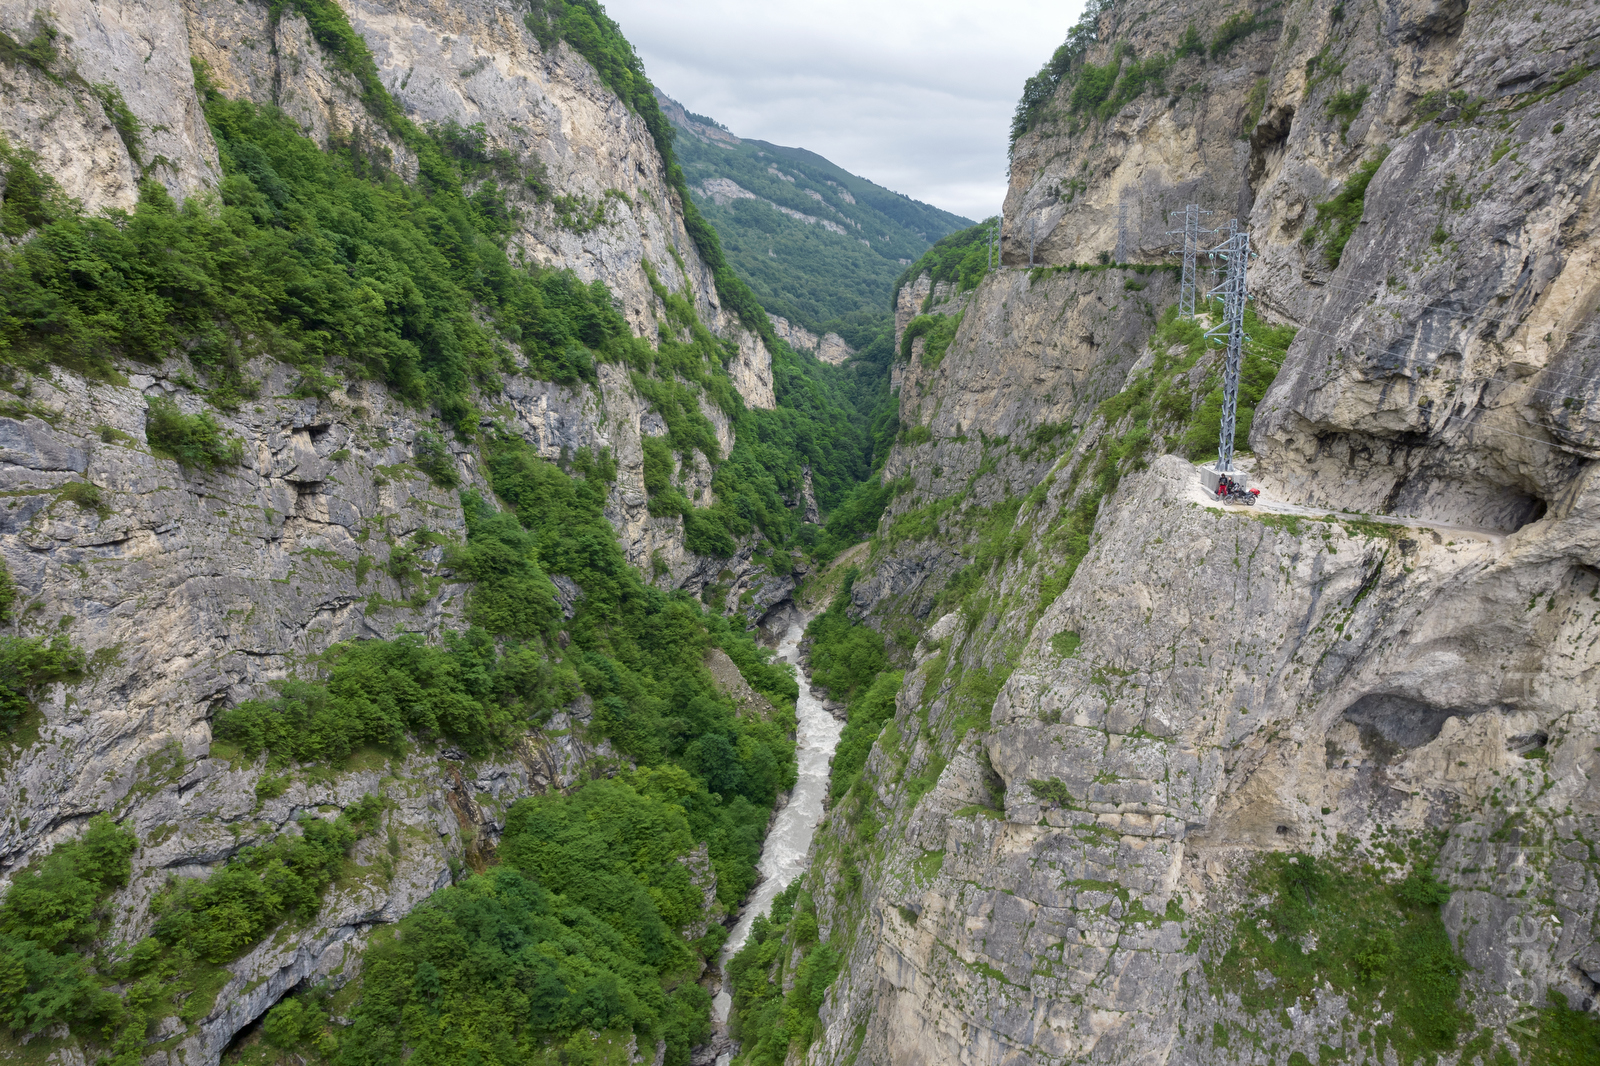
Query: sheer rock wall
column 1210, row 686
column 194, row 590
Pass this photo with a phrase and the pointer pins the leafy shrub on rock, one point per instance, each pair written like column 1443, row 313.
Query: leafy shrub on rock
column 192, row 440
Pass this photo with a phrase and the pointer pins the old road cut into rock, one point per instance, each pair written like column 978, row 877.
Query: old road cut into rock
column 783, row 857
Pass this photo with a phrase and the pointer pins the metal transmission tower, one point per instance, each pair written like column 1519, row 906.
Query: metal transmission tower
column 1191, row 244
column 1235, row 251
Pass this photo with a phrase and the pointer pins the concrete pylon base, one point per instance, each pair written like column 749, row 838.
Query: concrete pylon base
column 1210, row 477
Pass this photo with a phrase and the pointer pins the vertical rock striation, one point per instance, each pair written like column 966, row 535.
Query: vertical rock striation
column 191, row 590
column 1124, row 700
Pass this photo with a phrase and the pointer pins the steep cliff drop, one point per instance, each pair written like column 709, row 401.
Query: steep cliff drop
column 1171, row 782
column 365, row 473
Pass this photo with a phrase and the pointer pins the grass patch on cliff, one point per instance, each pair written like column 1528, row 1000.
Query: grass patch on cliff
column 937, row 332
column 194, row 441
column 1337, row 218
column 1350, row 922
column 1565, row 1037
column 28, row 664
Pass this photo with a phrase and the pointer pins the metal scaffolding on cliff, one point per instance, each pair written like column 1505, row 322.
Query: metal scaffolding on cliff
column 1191, row 245
column 1235, row 251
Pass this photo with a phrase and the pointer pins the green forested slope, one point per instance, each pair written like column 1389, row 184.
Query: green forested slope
column 804, row 271
column 588, row 933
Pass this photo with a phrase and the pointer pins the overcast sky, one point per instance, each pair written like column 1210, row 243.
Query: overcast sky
column 916, row 95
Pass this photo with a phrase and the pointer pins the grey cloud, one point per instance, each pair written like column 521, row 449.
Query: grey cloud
column 915, row 96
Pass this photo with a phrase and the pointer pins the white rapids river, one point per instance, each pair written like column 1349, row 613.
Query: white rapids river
column 783, row 856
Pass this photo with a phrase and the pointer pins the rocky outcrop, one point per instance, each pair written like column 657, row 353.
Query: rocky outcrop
column 723, row 191
column 1056, row 834
column 193, row 590
column 116, row 103
column 830, row 347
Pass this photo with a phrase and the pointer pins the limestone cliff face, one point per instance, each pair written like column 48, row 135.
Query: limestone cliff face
column 192, row 591
column 1053, row 836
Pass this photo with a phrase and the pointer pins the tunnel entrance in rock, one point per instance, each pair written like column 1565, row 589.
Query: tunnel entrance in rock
column 1389, row 724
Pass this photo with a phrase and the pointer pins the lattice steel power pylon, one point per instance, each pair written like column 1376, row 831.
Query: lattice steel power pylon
column 1191, row 245
column 1235, row 251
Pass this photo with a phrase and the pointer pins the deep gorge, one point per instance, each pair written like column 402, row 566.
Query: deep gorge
column 407, row 514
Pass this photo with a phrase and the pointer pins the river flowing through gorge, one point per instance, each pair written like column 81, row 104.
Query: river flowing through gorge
column 783, row 856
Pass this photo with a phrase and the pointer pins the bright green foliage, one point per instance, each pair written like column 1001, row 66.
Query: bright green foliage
column 812, row 276
column 217, row 918
column 939, row 331
column 765, row 1020
column 1135, row 77
column 1094, row 85
column 432, row 456
column 994, row 538
column 39, row 52
column 318, row 258
column 8, row 593
column 379, row 692
column 1051, row 791
column 195, row 441
column 962, row 258
column 1337, row 218
column 579, row 928
column 1345, row 106
column 1262, row 358
column 26, row 663
column 1102, row 91
column 1373, row 938
column 854, row 519
column 48, row 916
column 868, row 713
column 845, row 656
column 292, row 1021
column 1191, row 44
column 974, row 696
column 849, row 659
column 29, row 199
column 1566, row 1037
column 1065, row 643
column 54, row 903
column 1038, row 91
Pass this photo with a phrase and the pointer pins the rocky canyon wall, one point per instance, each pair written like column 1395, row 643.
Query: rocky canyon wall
column 1125, row 705
column 193, row 590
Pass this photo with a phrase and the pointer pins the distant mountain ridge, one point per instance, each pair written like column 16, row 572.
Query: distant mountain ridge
column 818, row 244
